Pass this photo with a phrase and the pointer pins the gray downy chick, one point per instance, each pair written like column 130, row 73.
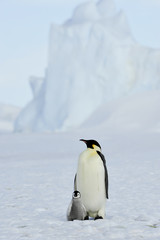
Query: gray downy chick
column 76, row 209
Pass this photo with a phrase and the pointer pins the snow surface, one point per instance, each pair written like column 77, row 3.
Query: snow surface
column 93, row 58
column 136, row 112
column 37, row 172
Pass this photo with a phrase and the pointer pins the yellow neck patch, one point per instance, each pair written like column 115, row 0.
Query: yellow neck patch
column 96, row 147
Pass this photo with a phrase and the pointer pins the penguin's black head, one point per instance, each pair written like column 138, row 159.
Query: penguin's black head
column 76, row 194
column 92, row 144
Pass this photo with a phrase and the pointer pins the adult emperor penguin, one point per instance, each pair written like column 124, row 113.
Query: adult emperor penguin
column 91, row 179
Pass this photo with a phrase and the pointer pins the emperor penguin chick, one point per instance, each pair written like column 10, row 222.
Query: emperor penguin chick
column 76, row 210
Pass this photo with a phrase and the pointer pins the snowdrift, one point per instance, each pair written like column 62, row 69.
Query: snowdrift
column 137, row 112
column 92, row 60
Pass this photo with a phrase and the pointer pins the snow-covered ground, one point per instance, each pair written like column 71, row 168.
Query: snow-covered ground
column 37, row 171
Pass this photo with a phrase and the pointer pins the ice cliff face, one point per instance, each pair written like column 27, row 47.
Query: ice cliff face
column 93, row 59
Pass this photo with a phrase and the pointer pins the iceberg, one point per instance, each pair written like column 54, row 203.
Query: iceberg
column 93, row 59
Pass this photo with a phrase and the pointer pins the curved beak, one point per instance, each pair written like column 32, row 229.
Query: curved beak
column 83, row 140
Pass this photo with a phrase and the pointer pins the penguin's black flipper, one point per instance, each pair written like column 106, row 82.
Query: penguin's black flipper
column 106, row 172
column 75, row 182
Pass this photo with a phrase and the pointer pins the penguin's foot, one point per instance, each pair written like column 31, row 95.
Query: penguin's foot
column 98, row 217
column 86, row 218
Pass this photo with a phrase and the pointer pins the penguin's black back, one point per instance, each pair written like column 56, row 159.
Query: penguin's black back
column 105, row 170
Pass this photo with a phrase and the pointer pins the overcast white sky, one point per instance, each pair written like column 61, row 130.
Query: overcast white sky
column 24, row 31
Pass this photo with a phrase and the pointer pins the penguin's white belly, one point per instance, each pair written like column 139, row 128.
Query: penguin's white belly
column 90, row 182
